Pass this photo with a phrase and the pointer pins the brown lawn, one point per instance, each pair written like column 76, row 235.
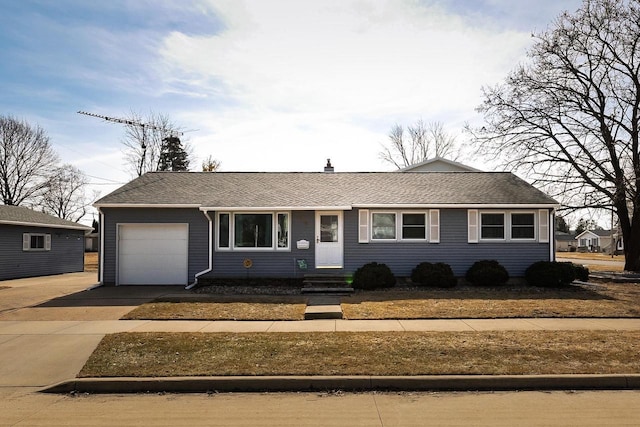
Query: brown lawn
column 365, row 353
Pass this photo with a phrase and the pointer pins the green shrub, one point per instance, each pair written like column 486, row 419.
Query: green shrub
column 487, row 273
column 552, row 274
column 438, row 274
column 373, row 276
column 582, row 272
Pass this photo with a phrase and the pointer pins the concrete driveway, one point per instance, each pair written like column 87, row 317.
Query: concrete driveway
column 35, row 351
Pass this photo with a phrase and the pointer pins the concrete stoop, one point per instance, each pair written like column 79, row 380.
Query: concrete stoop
column 323, row 307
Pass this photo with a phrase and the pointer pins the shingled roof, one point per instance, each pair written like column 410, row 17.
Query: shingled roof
column 19, row 215
column 310, row 190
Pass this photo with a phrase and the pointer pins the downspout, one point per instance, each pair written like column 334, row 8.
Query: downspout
column 552, row 235
column 101, row 237
column 195, row 282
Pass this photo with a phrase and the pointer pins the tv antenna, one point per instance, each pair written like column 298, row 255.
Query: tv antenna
column 143, row 126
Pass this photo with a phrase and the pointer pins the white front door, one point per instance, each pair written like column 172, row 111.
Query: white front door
column 329, row 245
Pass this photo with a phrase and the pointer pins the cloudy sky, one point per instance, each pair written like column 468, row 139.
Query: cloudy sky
column 267, row 85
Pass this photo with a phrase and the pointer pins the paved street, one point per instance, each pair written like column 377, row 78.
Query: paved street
column 612, row 408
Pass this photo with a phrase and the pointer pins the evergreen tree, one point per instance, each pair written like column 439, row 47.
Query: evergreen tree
column 173, row 156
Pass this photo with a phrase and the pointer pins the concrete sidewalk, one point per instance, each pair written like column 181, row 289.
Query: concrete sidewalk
column 102, row 327
column 50, row 326
column 44, row 353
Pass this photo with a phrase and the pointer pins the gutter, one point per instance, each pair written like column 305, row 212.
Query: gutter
column 195, row 282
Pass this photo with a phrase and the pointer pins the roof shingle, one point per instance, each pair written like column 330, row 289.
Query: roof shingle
column 19, row 215
column 319, row 189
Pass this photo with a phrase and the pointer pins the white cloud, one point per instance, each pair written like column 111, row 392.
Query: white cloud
column 304, row 74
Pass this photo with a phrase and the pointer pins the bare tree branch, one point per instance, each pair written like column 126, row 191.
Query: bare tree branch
column 570, row 118
column 25, row 161
column 424, row 141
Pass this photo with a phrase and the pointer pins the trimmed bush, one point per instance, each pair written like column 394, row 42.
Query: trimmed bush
column 438, row 274
column 582, row 272
column 373, row 276
column 487, row 273
column 551, row 274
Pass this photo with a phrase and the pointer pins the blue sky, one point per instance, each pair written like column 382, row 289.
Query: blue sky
column 264, row 85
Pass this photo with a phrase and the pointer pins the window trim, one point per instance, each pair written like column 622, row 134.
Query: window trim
column 533, row 224
column 365, row 224
column 474, row 224
column 504, row 237
column 426, row 226
column 274, row 232
column 395, row 226
column 26, row 242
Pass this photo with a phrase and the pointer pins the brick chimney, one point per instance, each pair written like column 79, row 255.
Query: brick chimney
column 328, row 168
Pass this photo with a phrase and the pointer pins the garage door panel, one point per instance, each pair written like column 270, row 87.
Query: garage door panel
column 153, row 254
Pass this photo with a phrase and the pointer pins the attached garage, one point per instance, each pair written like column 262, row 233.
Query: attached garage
column 153, row 254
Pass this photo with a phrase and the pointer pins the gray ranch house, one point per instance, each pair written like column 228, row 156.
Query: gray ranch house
column 178, row 227
column 36, row 244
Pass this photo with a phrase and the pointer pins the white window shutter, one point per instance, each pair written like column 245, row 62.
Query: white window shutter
column 26, row 241
column 363, row 226
column 434, row 226
column 543, row 226
column 472, row 225
column 47, row 242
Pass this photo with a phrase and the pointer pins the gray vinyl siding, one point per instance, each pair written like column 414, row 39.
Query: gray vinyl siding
column 271, row 263
column 453, row 249
column 401, row 257
column 198, row 235
column 66, row 254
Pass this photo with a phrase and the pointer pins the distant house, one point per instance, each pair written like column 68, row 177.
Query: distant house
column 565, row 242
column 177, row 227
column 36, row 244
column 92, row 242
column 594, row 241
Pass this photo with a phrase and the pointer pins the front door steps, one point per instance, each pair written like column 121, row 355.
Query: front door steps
column 323, row 307
column 326, row 284
column 324, row 291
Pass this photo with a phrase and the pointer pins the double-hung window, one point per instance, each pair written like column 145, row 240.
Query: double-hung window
column 523, row 226
column 253, row 231
column 492, row 226
column 383, row 226
column 414, row 226
column 36, row 242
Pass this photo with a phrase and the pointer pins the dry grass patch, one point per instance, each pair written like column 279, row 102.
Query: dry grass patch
column 365, row 353
column 91, row 261
column 589, row 256
column 223, row 308
column 608, row 300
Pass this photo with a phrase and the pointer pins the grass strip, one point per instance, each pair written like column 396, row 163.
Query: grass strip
column 365, row 353
column 217, row 311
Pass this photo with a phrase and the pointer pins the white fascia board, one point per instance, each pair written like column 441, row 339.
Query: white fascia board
column 273, row 208
column 145, row 205
column 42, row 225
column 457, row 206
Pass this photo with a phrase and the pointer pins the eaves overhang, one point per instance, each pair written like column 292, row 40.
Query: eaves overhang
column 44, row 225
column 274, row 208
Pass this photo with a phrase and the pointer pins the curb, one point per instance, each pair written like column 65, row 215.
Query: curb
column 347, row 383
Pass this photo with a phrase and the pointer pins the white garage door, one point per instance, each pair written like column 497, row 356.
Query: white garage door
column 153, row 254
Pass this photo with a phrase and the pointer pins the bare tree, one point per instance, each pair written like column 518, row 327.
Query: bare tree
column 210, row 164
column 25, row 160
column 144, row 138
column 418, row 143
column 570, row 117
column 65, row 196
